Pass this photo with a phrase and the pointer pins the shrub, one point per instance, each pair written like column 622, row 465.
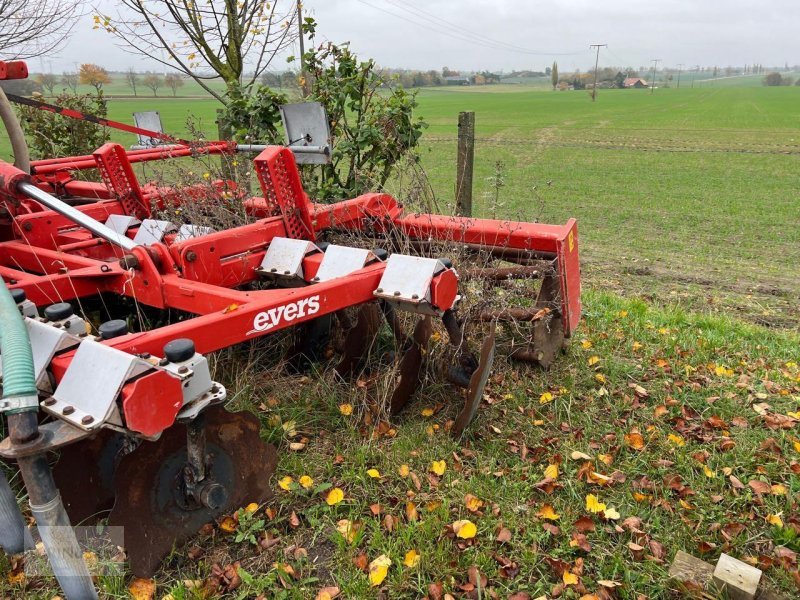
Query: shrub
column 50, row 135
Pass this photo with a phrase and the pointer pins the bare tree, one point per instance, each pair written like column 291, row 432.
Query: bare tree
column 132, row 77
column 31, row 28
column 48, row 81
column 70, row 80
column 153, row 81
column 174, row 81
column 207, row 40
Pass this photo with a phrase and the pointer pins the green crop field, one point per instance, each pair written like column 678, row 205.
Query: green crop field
column 677, row 406
column 685, row 196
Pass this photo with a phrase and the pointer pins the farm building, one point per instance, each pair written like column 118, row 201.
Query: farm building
column 457, row 80
column 634, row 82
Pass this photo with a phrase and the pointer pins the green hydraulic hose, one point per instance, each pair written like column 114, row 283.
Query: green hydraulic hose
column 19, row 381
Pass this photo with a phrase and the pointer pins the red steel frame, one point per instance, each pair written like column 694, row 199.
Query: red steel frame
column 52, row 260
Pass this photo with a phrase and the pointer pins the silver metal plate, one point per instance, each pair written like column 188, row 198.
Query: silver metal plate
column 152, row 231
column 121, row 223
column 91, row 384
column 284, row 257
column 46, row 340
column 187, row 232
column 408, row 278
column 308, row 134
column 340, row 261
column 149, row 119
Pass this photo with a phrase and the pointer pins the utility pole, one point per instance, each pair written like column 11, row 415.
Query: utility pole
column 304, row 86
column 655, row 62
column 596, row 62
column 680, row 66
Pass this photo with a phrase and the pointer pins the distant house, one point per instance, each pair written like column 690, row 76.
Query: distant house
column 456, row 80
column 634, row 82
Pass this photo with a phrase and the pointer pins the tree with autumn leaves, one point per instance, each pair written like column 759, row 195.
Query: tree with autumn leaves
column 93, row 75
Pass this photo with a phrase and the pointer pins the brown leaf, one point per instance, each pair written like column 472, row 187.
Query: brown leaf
column 551, row 529
column 759, row 487
column 361, row 562
column 503, row 535
column 328, row 593
column 584, row 525
column 736, row 483
column 436, row 590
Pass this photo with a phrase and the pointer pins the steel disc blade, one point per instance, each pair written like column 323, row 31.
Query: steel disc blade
column 148, row 484
column 84, row 475
column 477, row 384
column 359, row 339
column 411, row 365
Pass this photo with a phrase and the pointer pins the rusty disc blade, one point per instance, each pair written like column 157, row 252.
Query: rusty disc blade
column 149, row 506
column 477, row 383
column 411, row 365
column 359, row 339
column 84, row 475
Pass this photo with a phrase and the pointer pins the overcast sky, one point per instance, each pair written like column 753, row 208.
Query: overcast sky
column 520, row 34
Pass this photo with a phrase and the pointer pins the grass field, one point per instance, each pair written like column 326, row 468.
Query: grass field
column 675, row 406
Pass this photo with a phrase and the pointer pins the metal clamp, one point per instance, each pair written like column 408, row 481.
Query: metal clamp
column 17, row 403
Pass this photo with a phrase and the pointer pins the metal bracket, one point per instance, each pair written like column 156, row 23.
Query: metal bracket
column 284, row 258
column 152, row 231
column 342, row 260
column 406, row 282
column 86, row 399
column 121, row 223
column 188, row 231
column 46, row 341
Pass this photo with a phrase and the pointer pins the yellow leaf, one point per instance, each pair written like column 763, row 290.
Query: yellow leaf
column 545, row 398
column 551, row 471
column 346, row 409
column 775, row 520
column 465, row 529
column 404, row 470
column 227, row 524
column 593, row 360
column 709, row 473
column 348, row 529
column 685, row 504
column 637, row 346
column 611, row 513
column 723, row 371
column 412, row 559
column 251, row 508
column 586, row 344
column 794, row 415
column 411, row 511
column 142, row 589
column 335, row 496
column 779, row 489
column 374, row 473
column 569, row 578
column 635, row 440
column 676, row 439
column 285, row 483
column 438, row 467
column 639, row 497
column 473, row 504
column 600, row 378
column 378, row 569
column 427, row 412
column 796, row 445
column 548, row 512
column 593, row 504
column 306, row 482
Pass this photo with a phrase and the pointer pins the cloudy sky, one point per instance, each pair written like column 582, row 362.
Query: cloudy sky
column 521, row 34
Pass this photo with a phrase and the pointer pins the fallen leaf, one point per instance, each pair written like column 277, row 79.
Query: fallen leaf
column 634, row 440
column 328, row 593
column 334, row 496
column 403, row 471
column 548, row 512
column 593, row 504
column 306, row 482
column 775, row 520
column 285, row 483
column 569, row 578
column 346, row 409
column 374, row 473
column 438, row 467
column 412, row 559
column 142, row 589
column 379, row 569
column 465, row 529
column 551, row 471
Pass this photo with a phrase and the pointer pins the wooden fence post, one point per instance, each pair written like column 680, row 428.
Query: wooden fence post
column 466, row 159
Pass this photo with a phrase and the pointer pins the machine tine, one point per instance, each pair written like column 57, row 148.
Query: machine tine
column 477, row 383
column 411, row 365
column 309, row 345
column 359, row 338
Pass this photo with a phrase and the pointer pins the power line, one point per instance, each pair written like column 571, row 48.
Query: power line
column 419, row 13
column 495, row 45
